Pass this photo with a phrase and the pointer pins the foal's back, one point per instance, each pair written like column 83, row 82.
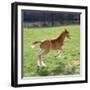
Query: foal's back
column 50, row 44
column 45, row 44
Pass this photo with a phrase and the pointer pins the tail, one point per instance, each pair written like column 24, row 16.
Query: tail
column 36, row 42
column 33, row 44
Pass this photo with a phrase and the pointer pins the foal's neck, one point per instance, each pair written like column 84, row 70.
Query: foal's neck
column 61, row 37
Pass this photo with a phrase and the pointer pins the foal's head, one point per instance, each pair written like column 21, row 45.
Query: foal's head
column 67, row 34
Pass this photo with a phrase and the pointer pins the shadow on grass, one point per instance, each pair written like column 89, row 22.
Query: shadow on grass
column 63, row 69
column 42, row 71
column 59, row 69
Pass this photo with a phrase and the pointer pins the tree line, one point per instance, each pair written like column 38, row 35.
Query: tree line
column 49, row 18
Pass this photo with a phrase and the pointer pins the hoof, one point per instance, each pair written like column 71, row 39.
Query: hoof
column 43, row 64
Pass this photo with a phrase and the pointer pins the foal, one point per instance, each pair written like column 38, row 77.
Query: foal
column 51, row 44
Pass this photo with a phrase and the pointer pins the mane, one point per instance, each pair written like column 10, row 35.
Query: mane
column 61, row 35
column 61, row 38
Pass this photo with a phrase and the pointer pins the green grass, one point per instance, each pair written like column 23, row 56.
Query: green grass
column 69, row 64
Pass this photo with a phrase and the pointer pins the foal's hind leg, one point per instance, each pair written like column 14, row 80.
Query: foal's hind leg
column 40, row 62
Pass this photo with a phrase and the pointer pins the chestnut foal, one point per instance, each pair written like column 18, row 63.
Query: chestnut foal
column 51, row 44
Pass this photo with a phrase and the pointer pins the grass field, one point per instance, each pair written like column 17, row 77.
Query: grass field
column 69, row 64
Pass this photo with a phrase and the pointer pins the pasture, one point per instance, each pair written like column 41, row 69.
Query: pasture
column 68, row 64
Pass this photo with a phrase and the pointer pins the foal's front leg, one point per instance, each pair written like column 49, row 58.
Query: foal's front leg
column 59, row 53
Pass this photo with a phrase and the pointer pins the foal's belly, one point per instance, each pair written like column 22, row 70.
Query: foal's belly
column 55, row 47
